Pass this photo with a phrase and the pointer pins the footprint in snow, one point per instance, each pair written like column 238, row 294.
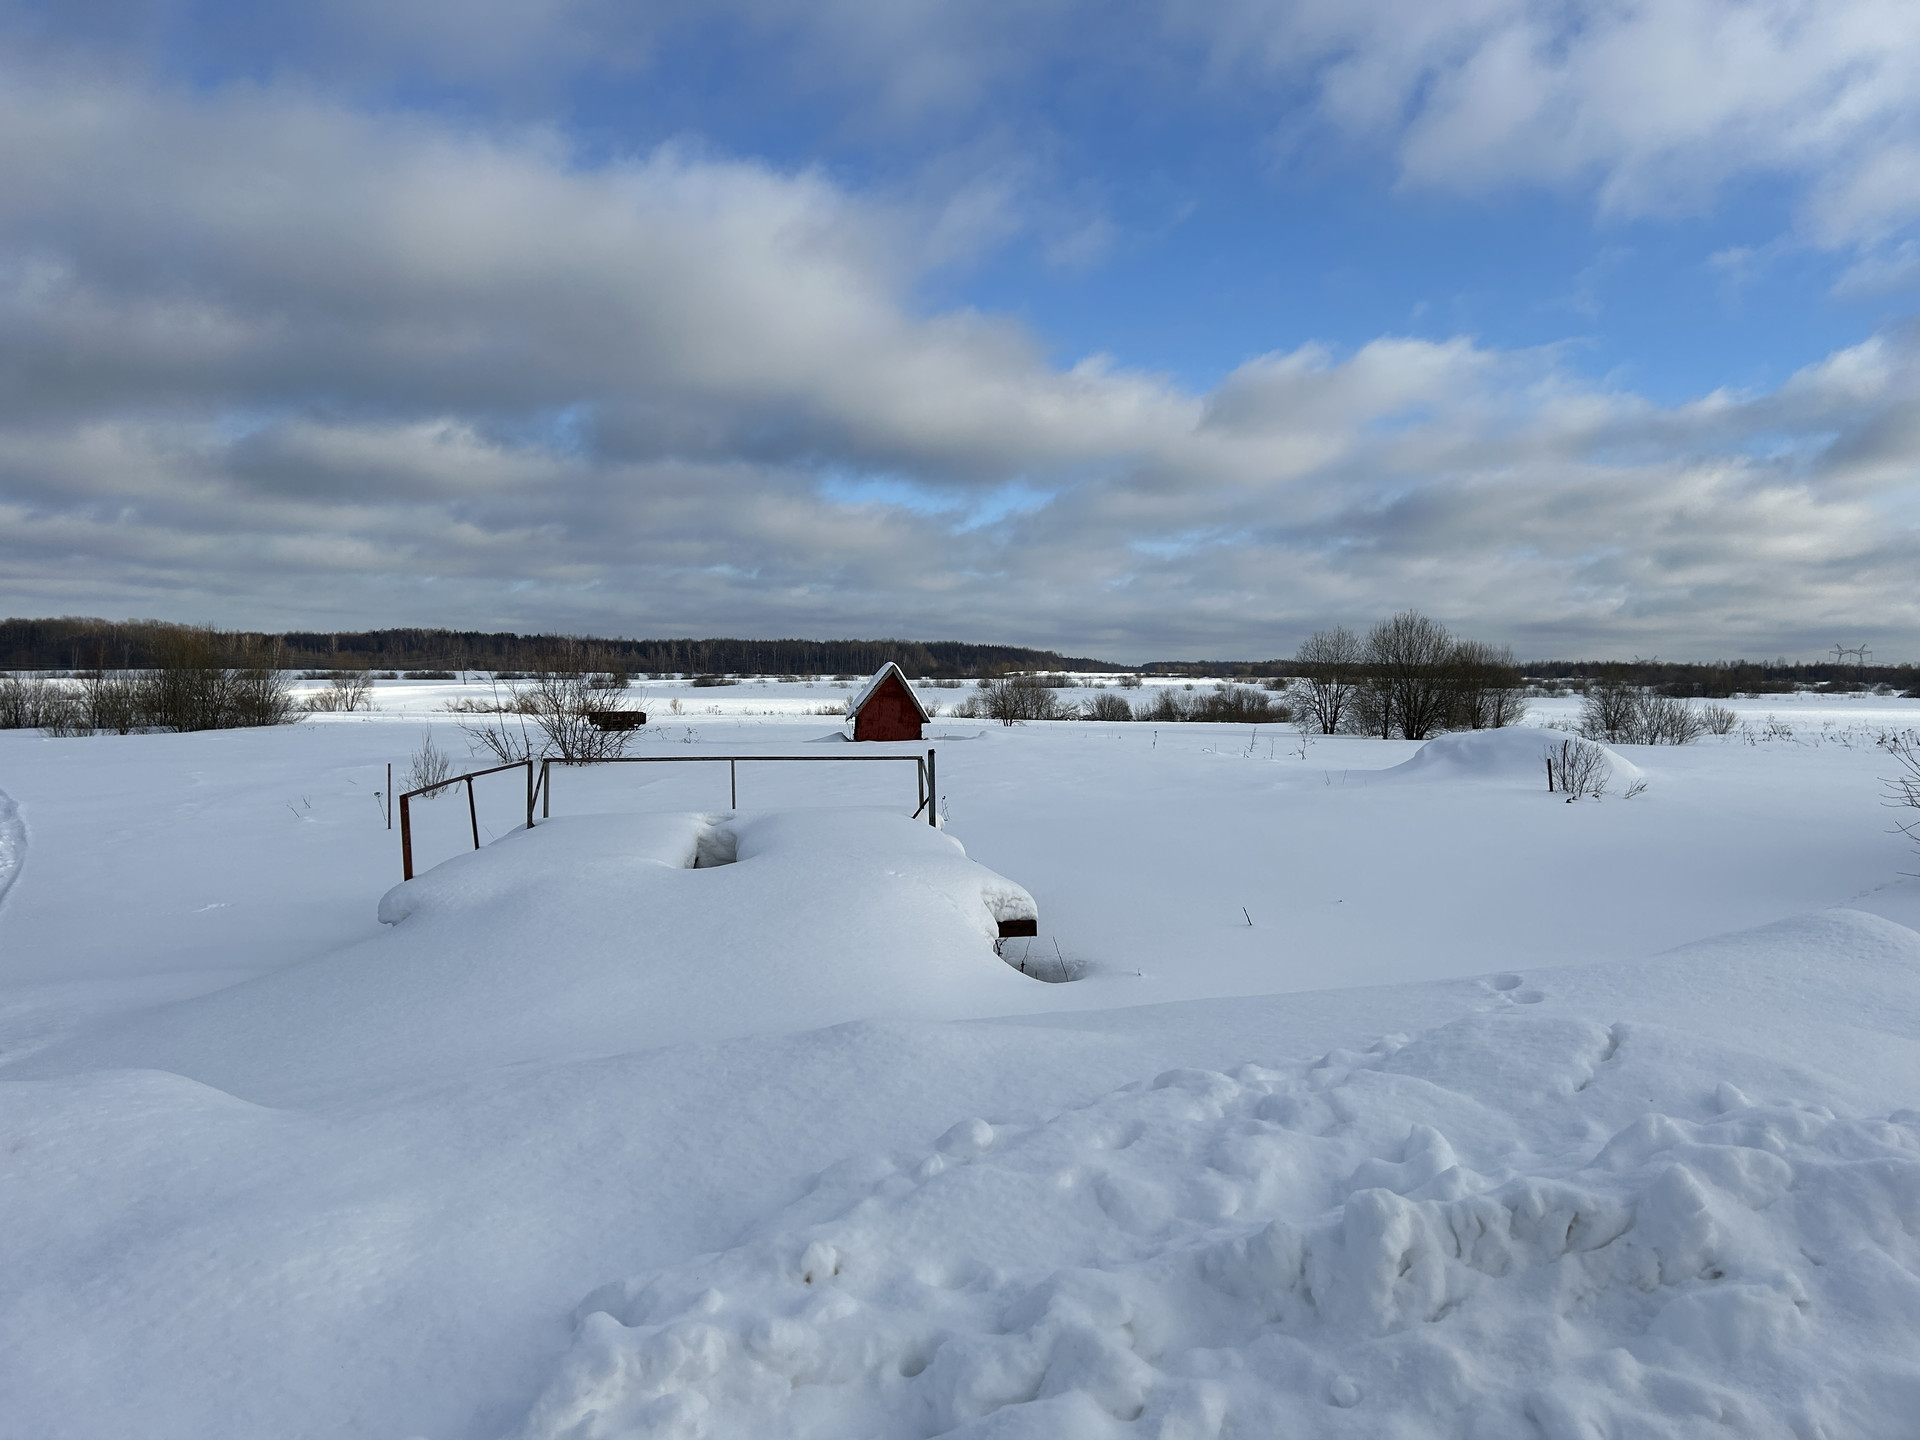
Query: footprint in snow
column 1506, row 989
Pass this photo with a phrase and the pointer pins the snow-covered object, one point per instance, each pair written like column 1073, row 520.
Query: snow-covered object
column 600, row 934
column 1485, row 1231
column 1515, row 752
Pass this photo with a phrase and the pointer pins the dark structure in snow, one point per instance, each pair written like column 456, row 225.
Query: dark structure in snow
column 887, row 709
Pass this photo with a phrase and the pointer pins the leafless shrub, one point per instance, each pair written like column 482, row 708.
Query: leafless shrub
column 1167, row 706
column 1718, row 719
column 110, row 700
column 1624, row 714
column 1577, row 768
column 347, row 690
column 1638, row 787
column 1107, row 706
column 29, row 702
column 1012, row 699
column 1129, row 682
column 1238, row 704
column 471, row 705
column 430, row 764
column 562, row 702
column 1903, row 787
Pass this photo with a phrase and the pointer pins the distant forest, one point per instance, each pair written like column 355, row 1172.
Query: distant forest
column 88, row 644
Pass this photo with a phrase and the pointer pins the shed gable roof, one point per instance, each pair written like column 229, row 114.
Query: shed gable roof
column 873, row 686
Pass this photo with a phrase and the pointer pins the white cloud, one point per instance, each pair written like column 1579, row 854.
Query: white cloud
column 265, row 359
column 1656, row 104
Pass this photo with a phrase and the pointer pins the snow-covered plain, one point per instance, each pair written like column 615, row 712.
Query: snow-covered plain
column 1396, row 1096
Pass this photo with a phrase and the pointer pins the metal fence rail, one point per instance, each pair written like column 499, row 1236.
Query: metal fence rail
column 540, row 784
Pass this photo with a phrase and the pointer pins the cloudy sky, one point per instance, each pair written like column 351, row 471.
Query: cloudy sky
column 1141, row 329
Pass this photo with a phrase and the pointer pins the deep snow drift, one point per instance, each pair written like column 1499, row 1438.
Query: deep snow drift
column 592, row 1142
column 1495, row 1228
column 600, row 934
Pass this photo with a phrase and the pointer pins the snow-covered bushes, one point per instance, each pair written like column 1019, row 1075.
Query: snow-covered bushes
column 1622, row 714
column 1107, row 706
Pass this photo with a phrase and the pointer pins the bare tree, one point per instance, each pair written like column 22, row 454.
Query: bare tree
column 1332, row 667
column 1407, row 662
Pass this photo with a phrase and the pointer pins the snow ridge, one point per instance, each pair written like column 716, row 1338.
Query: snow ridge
column 1450, row 1236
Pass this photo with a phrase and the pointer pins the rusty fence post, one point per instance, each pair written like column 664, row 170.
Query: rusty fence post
column 933, row 793
column 733, row 784
column 406, row 840
column 473, row 814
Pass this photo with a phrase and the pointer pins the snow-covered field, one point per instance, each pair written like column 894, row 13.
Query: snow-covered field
column 1395, row 1097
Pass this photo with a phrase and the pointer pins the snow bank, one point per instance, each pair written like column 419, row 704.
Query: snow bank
column 596, row 935
column 1486, row 1230
column 1515, row 752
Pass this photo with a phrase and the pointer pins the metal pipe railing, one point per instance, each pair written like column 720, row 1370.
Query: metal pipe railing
column 540, row 788
column 473, row 812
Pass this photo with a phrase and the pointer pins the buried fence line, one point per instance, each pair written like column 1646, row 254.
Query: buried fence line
column 540, row 784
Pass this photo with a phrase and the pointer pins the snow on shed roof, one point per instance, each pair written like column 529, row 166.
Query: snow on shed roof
column 854, row 706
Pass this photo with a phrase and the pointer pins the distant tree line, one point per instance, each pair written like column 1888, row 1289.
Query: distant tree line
column 91, row 644
column 1721, row 679
column 1707, row 680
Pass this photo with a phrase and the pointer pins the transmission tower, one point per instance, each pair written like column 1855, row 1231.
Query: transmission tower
column 1859, row 654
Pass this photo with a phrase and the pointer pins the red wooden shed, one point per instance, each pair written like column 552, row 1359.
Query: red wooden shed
column 887, row 709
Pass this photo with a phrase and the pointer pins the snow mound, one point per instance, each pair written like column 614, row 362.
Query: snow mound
column 1484, row 1231
column 1515, row 752
column 599, row 934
